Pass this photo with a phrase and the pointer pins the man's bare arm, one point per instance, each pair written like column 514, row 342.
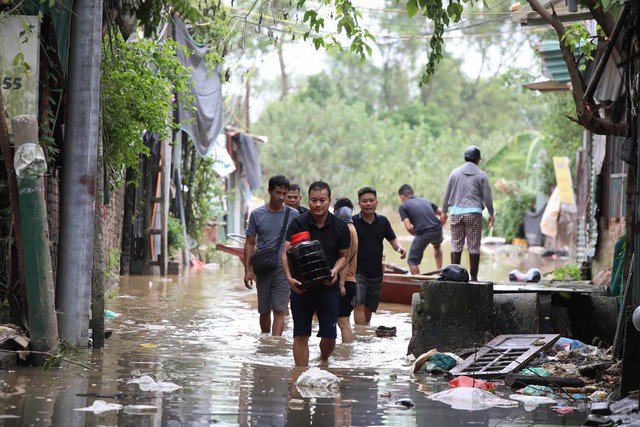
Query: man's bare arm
column 408, row 225
column 249, row 249
column 339, row 265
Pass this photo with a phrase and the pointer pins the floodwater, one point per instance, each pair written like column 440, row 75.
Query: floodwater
column 495, row 262
column 200, row 332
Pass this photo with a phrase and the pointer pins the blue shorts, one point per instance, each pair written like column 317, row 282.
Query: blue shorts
column 368, row 291
column 420, row 243
column 273, row 291
column 348, row 300
column 324, row 303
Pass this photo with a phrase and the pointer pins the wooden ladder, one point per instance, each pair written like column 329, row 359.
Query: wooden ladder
column 157, row 204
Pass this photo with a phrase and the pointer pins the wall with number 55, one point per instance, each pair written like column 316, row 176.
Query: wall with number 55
column 19, row 51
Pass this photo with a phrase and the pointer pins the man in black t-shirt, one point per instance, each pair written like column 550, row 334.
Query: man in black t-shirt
column 294, row 198
column 372, row 229
column 323, row 300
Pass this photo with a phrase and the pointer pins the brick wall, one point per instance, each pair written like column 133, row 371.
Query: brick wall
column 52, row 188
column 113, row 225
column 112, row 230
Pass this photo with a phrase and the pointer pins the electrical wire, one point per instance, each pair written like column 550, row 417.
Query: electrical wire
column 408, row 37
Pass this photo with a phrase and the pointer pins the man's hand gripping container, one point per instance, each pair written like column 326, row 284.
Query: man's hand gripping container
column 307, row 261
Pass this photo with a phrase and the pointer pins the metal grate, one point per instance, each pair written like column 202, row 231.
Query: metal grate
column 504, row 354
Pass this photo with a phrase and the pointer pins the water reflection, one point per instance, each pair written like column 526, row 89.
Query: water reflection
column 200, row 331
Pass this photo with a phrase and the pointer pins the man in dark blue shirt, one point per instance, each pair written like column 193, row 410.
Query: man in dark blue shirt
column 294, row 198
column 372, row 229
column 422, row 219
column 323, row 300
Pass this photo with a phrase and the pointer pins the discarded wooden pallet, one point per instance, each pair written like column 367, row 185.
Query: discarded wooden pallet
column 504, row 354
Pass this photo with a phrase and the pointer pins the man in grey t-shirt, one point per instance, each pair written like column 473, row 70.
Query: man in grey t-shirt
column 467, row 193
column 423, row 220
column 264, row 230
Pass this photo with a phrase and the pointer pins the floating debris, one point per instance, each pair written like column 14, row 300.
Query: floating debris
column 100, row 406
column 318, row 383
column 146, row 383
column 472, row 399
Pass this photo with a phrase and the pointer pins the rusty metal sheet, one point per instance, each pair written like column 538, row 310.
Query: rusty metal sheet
column 504, row 354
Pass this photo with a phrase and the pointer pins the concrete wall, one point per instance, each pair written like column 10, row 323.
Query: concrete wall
column 448, row 316
column 113, row 219
column 451, row 315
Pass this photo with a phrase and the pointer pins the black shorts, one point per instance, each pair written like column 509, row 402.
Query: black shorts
column 348, row 300
column 325, row 304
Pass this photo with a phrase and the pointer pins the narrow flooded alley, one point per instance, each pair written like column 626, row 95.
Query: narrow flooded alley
column 199, row 332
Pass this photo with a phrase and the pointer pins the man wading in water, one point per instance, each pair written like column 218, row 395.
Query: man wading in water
column 372, row 230
column 266, row 226
column 323, row 299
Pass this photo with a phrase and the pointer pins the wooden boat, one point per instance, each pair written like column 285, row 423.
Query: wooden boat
column 232, row 250
column 398, row 286
column 237, row 250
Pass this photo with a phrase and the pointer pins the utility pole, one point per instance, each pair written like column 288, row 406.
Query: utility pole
column 77, row 200
column 30, row 166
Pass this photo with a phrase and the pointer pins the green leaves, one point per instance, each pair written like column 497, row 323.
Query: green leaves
column 610, row 5
column 346, row 17
column 454, row 10
column 139, row 85
column 580, row 40
column 567, row 272
column 412, row 8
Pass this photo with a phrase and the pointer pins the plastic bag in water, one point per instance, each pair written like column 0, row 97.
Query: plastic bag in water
column 318, row 383
column 472, row 399
column 100, row 406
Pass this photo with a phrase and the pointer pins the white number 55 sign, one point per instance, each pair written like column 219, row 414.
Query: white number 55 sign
column 19, row 51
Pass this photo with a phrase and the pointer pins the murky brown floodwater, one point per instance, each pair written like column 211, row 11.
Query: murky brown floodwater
column 200, row 331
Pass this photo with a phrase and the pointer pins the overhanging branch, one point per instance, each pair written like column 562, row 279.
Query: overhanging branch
column 586, row 113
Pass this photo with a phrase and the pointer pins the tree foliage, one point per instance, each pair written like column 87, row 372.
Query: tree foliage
column 573, row 38
column 138, row 86
column 318, row 133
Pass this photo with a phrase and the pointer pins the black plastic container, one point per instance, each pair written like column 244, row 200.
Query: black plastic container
column 308, row 264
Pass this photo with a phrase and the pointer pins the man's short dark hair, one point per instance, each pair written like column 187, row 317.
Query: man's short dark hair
column 319, row 186
column 365, row 190
column 278, row 181
column 342, row 202
column 294, row 187
column 405, row 190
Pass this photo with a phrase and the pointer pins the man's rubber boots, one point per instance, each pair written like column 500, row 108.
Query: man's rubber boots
column 474, row 260
column 455, row 257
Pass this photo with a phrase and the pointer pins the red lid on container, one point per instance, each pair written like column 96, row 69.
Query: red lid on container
column 300, row 237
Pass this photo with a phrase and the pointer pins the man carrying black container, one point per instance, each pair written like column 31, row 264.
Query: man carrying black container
column 323, row 299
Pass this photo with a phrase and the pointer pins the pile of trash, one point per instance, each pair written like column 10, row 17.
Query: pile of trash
column 570, row 376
